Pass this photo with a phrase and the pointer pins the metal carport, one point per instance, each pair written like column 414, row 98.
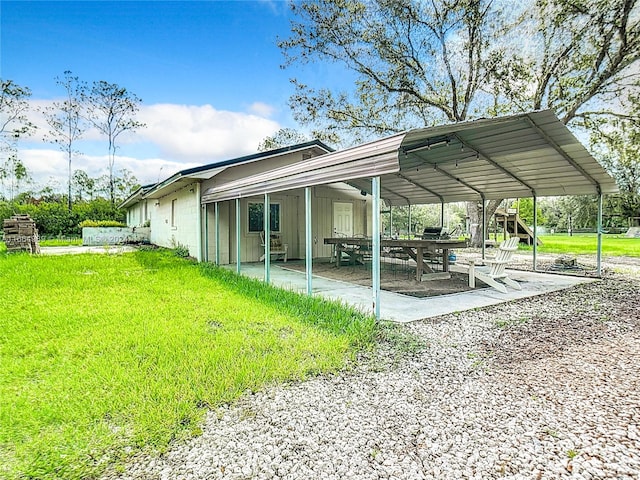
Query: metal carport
column 525, row 155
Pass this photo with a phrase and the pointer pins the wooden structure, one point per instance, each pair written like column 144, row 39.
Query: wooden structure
column 21, row 234
column 418, row 250
column 513, row 224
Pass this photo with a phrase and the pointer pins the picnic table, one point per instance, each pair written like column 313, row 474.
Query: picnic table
column 417, row 249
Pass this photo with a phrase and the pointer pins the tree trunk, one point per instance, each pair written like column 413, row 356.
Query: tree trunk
column 474, row 213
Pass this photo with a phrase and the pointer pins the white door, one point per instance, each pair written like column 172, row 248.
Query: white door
column 343, row 219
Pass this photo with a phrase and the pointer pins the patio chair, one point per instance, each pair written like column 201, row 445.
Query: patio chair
column 495, row 268
column 277, row 248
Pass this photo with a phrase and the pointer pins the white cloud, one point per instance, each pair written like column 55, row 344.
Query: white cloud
column 261, row 109
column 202, row 133
column 176, row 137
column 48, row 166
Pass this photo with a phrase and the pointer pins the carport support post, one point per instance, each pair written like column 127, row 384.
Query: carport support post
column 216, row 207
column 409, row 224
column 535, row 233
column 442, row 214
column 238, row 230
column 599, row 247
column 484, row 226
column 375, row 270
column 308, row 240
column 205, row 253
column 267, row 239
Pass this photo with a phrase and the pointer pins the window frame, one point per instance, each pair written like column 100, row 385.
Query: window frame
column 277, row 220
column 174, row 204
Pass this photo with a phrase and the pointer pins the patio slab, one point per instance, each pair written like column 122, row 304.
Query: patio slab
column 404, row 308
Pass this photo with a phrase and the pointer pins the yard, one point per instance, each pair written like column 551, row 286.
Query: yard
column 105, row 356
column 585, row 243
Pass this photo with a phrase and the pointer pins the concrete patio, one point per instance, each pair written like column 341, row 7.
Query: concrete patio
column 404, row 308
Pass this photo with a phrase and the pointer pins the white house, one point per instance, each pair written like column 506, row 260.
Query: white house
column 176, row 214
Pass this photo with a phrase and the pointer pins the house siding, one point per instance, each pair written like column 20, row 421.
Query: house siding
column 292, row 223
column 184, row 231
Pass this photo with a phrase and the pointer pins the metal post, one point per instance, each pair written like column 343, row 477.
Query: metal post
column 409, row 224
column 198, row 222
column 442, row 214
column 267, row 239
column 599, row 247
column 206, row 231
column 238, row 230
column 308, row 239
column 375, row 270
column 391, row 221
column 217, row 220
column 535, row 233
column 484, row 226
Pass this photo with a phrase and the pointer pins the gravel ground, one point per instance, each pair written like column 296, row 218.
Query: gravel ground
column 545, row 387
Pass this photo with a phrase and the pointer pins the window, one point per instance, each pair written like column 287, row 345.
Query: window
column 174, row 204
column 256, row 217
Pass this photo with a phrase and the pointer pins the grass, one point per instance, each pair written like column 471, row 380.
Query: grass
column 580, row 244
column 105, row 356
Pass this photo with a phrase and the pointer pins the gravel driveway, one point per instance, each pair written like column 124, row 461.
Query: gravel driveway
column 545, row 387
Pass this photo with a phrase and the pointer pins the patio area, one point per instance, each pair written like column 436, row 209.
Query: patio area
column 405, row 308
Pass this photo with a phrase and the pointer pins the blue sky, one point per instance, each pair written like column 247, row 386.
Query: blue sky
column 208, row 73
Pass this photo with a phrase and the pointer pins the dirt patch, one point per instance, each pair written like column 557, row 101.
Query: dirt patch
column 398, row 278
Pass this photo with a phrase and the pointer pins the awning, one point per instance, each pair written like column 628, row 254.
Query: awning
column 516, row 156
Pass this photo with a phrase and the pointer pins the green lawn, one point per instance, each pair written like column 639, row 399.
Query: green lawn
column 612, row 245
column 102, row 356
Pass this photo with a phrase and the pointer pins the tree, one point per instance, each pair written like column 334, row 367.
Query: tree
column 617, row 145
column 14, row 173
column 66, row 124
column 83, row 184
column 417, row 63
column 125, row 183
column 421, row 63
column 580, row 60
column 525, row 211
column 111, row 109
column 14, row 124
column 282, row 138
column 14, row 107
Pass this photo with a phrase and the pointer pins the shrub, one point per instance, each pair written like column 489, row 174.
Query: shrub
column 101, row 223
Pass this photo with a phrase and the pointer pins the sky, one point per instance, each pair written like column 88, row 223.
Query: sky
column 208, row 73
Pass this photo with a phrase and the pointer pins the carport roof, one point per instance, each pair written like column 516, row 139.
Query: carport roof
column 515, row 156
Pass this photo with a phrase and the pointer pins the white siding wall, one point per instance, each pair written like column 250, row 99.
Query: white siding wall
column 184, row 230
column 292, row 223
column 138, row 214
